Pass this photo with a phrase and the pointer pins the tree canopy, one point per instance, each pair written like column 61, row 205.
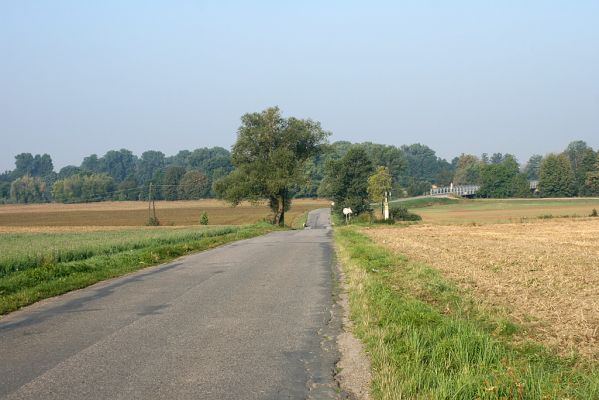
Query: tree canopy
column 346, row 181
column 379, row 184
column 468, row 170
column 269, row 158
column 503, row 179
column 557, row 177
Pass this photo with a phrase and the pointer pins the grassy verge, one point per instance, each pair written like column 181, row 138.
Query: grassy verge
column 300, row 221
column 77, row 269
column 424, row 202
column 428, row 340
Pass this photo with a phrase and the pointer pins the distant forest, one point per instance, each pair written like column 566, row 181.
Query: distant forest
column 415, row 168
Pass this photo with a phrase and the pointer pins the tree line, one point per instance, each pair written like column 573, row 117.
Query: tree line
column 117, row 175
column 324, row 171
column 573, row 172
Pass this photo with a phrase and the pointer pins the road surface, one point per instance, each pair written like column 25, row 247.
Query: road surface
column 249, row 320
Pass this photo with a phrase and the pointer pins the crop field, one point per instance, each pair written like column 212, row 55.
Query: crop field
column 544, row 275
column 37, row 265
column 135, row 213
column 48, row 249
column 484, row 211
column 486, row 299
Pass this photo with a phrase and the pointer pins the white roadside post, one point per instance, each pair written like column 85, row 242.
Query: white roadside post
column 347, row 212
column 386, row 208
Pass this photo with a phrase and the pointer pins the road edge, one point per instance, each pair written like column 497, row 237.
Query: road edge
column 354, row 373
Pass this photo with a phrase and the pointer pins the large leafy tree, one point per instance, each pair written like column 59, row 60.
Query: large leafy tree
column 172, row 178
column 193, row 185
column 503, row 179
column 424, row 165
column 468, row 170
column 38, row 165
column 533, row 167
column 390, row 157
column 29, row 189
column 592, row 181
column 557, row 177
column 92, row 163
column 582, row 160
column 346, row 181
column 117, row 164
column 149, row 164
column 269, row 158
column 83, row 188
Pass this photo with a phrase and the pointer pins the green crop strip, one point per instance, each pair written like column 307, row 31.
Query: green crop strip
column 27, row 277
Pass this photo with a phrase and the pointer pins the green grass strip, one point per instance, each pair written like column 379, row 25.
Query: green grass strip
column 427, row 339
column 425, row 202
column 24, row 287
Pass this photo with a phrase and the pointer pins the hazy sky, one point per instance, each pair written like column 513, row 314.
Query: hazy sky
column 82, row 77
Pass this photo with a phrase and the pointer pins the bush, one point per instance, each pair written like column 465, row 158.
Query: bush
column 153, row 221
column 402, row 214
column 204, row 218
column 385, row 221
column 364, row 217
column 594, row 213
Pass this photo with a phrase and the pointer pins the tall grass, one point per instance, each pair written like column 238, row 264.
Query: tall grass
column 429, row 340
column 27, row 250
column 87, row 259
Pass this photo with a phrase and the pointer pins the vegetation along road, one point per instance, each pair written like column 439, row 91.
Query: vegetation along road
column 247, row 320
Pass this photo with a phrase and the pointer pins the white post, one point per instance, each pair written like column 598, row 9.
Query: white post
column 386, row 208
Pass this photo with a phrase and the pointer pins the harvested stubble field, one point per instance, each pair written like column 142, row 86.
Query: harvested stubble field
column 482, row 211
column 543, row 274
column 135, row 213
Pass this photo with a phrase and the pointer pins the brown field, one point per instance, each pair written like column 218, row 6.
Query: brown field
column 108, row 215
column 545, row 274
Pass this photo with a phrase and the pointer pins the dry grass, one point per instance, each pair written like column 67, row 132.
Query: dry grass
column 103, row 216
column 545, row 274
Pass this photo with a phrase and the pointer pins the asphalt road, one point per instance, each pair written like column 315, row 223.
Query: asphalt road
column 249, row 320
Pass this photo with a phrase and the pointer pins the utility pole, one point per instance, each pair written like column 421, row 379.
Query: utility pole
column 154, row 207
column 151, row 206
column 149, row 203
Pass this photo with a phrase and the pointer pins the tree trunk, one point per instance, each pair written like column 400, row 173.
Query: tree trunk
column 280, row 217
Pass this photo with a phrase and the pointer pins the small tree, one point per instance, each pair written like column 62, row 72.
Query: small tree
column 204, row 218
column 379, row 184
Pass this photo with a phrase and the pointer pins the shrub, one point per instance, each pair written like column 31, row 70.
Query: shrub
column 402, row 214
column 204, row 218
column 594, row 213
column 385, row 221
column 366, row 217
column 153, row 221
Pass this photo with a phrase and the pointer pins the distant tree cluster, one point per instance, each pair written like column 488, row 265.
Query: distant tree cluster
column 330, row 172
column 574, row 172
column 118, row 175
